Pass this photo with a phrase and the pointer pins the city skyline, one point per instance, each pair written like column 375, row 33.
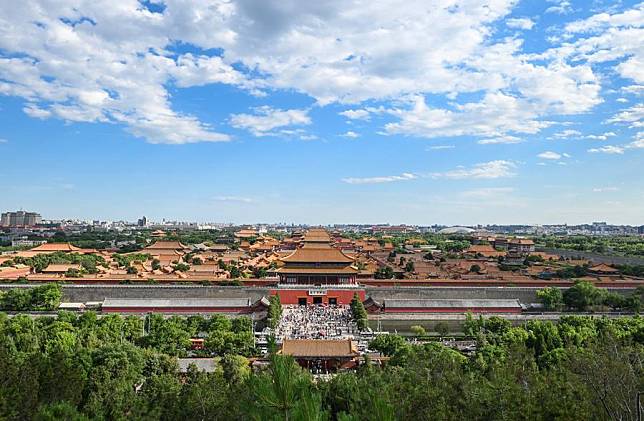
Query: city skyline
column 446, row 113
column 10, row 219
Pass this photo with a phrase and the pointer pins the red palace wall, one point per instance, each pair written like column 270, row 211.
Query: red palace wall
column 292, row 296
column 174, row 309
column 453, row 310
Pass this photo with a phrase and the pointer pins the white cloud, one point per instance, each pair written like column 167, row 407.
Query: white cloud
column 364, row 113
column 549, row 155
column 505, row 139
column 485, row 170
column 267, row 118
column 604, row 37
column 111, row 64
column 603, row 136
column 633, row 89
column 495, row 115
column 351, row 134
column 356, row 114
column 34, row 111
column 561, row 7
column 629, row 18
column 632, row 116
column 608, row 149
column 94, row 62
column 604, row 189
column 440, row 147
column 520, row 23
column 566, row 134
column 488, row 192
column 622, row 100
column 234, row 199
column 381, row 179
column 638, row 143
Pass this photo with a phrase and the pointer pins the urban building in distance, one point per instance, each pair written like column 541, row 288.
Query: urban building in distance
column 20, row 219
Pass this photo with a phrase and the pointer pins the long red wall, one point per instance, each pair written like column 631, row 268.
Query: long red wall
column 492, row 283
column 174, row 309
column 453, row 310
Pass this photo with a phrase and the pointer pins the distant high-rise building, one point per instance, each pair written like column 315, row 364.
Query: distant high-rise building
column 640, row 230
column 143, row 222
column 20, row 219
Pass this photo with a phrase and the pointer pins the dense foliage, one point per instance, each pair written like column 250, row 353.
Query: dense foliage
column 623, row 245
column 41, row 298
column 631, row 270
column 584, row 296
column 88, row 262
column 84, row 367
column 125, row 260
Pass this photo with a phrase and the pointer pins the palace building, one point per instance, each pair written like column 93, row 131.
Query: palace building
column 317, row 273
column 317, row 263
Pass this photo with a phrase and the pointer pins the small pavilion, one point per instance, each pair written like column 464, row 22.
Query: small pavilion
column 322, row 355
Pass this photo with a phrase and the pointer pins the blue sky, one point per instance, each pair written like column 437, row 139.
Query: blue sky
column 449, row 112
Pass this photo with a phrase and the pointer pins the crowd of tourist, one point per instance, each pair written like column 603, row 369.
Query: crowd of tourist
column 316, row 322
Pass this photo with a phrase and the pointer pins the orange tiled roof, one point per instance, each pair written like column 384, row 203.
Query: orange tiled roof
column 522, row 241
column 56, row 247
column 319, row 348
column 165, row 245
column 317, row 235
column 480, row 248
column 603, row 267
column 348, row 270
column 325, row 254
column 246, row 233
column 59, row 268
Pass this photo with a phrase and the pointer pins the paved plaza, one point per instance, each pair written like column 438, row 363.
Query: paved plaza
column 316, row 322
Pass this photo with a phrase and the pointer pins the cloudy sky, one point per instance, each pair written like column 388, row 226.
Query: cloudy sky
column 444, row 111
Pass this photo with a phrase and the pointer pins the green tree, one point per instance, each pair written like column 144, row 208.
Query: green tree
column 117, row 371
column 235, row 272
column 46, row 297
column 385, row 272
column 418, row 330
column 359, row 312
column 59, row 411
column 169, row 336
column 442, row 328
column 206, row 396
column 16, row 299
column 236, row 368
column 274, row 312
column 387, row 344
column 181, row 267
column 285, row 392
column 551, row 297
column 582, row 295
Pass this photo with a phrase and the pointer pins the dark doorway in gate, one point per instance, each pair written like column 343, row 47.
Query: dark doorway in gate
column 333, row 301
column 317, row 300
column 301, row 301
